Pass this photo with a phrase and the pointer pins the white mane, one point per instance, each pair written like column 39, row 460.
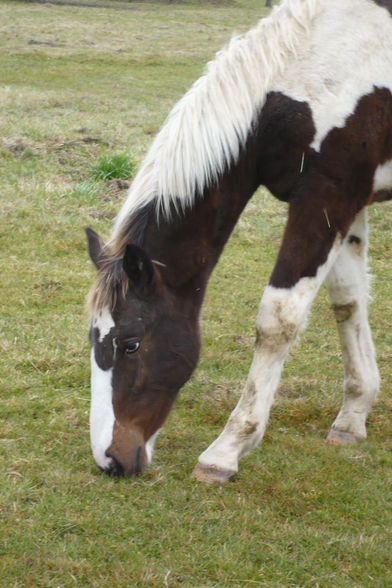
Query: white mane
column 205, row 131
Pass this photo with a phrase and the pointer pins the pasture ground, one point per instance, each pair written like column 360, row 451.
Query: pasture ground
column 78, row 83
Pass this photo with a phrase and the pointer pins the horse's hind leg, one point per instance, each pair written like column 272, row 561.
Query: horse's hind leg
column 309, row 249
column 348, row 288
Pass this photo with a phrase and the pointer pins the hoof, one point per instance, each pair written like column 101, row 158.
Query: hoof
column 336, row 437
column 211, row 475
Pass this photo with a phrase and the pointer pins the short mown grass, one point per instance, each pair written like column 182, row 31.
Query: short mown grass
column 81, row 84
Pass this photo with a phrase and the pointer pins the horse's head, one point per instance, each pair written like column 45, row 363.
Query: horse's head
column 143, row 349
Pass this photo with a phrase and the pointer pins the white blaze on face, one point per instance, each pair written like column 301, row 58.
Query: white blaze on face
column 101, row 411
column 104, row 322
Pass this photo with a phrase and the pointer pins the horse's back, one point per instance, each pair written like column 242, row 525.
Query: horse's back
column 330, row 111
column 347, row 54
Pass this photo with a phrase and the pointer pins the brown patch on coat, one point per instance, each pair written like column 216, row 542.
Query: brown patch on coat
column 335, row 185
column 344, row 311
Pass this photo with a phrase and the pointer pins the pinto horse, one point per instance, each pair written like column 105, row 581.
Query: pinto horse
column 301, row 104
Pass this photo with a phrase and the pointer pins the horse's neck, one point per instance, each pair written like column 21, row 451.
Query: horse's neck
column 189, row 245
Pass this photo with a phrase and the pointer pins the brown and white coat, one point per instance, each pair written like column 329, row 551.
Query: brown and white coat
column 302, row 104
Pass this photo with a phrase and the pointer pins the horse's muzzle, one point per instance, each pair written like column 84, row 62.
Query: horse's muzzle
column 134, row 468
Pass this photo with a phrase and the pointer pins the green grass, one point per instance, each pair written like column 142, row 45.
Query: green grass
column 114, row 166
column 299, row 513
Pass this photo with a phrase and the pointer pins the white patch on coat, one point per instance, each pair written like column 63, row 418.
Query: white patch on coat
column 101, row 413
column 282, row 315
column 103, row 322
column 150, row 445
column 205, row 131
column 347, row 53
column 383, row 177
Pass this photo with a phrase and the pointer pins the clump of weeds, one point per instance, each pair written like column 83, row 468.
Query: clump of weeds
column 119, row 166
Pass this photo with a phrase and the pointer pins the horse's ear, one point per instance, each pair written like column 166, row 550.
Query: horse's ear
column 139, row 269
column 95, row 246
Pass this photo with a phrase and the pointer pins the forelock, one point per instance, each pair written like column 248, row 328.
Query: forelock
column 110, row 283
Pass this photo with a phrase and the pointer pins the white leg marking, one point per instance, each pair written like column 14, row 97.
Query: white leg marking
column 101, row 413
column 348, row 288
column 282, row 315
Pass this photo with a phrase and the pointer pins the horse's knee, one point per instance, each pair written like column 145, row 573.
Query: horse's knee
column 281, row 316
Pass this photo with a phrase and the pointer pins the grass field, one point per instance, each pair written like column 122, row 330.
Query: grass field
column 79, row 84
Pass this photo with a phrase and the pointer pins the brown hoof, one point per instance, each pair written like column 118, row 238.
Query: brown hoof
column 336, row 437
column 211, row 474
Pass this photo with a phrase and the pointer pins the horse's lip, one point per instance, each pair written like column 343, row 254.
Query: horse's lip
column 139, row 463
column 115, row 468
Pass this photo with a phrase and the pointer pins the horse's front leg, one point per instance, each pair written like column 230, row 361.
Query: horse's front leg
column 309, row 249
column 348, row 288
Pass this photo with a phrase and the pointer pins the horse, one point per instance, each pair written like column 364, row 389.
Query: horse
column 301, row 104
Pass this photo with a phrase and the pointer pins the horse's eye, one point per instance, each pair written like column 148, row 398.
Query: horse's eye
column 131, row 347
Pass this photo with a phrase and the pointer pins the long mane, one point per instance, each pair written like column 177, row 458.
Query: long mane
column 204, row 133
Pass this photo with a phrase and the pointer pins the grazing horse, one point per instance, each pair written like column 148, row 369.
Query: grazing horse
column 301, row 104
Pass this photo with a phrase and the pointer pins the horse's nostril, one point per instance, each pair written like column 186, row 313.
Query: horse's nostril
column 115, row 468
